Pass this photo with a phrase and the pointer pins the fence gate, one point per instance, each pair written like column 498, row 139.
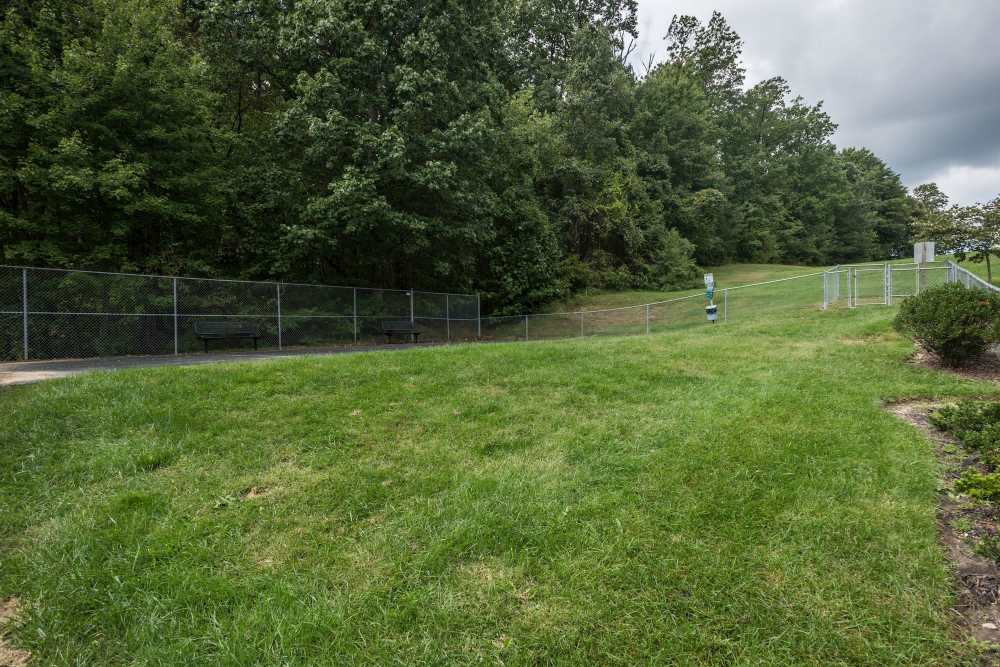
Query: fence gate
column 886, row 284
column 869, row 286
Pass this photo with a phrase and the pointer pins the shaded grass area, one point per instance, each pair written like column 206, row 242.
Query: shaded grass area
column 715, row 495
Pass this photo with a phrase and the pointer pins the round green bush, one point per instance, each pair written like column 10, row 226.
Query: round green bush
column 953, row 322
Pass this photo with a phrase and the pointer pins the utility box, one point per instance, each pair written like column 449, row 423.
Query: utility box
column 712, row 312
column 923, row 253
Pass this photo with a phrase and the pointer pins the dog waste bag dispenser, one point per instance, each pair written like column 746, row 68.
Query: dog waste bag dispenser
column 711, row 310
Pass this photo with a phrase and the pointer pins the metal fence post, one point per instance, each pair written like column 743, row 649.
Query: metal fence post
column 525, row 327
column 479, row 318
column 277, row 287
column 447, row 315
column 24, row 311
column 177, row 346
column 851, row 296
column 826, row 291
column 412, row 318
column 885, row 284
column 647, row 319
column 355, row 315
column 888, row 285
column 725, row 305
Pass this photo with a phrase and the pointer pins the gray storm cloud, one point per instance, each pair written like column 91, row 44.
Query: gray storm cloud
column 918, row 82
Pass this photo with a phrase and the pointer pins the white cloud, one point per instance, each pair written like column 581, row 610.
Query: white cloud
column 968, row 185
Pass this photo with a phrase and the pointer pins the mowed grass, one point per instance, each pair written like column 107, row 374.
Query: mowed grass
column 729, row 494
column 729, row 275
column 979, row 268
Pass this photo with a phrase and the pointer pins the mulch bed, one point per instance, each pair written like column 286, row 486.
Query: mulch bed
column 961, row 521
column 986, row 367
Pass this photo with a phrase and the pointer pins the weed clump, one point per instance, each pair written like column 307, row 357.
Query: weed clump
column 977, row 425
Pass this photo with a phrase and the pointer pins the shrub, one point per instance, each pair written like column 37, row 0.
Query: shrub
column 950, row 321
column 967, row 416
column 975, row 423
column 979, row 485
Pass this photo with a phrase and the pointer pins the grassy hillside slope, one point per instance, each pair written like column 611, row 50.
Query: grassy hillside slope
column 728, row 275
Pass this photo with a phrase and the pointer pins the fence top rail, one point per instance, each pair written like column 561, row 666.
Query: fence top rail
column 921, row 268
column 931, row 265
column 778, row 280
column 229, row 280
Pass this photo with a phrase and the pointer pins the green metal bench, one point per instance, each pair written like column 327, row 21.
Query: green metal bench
column 400, row 328
column 225, row 330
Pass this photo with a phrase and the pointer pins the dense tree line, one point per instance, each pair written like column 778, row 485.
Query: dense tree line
column 505, row 147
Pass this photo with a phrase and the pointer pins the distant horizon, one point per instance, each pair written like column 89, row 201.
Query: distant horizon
column 889, row 75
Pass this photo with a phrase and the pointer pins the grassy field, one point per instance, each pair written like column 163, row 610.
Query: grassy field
column 979, row 268
column 728, row 275
column 728, row 494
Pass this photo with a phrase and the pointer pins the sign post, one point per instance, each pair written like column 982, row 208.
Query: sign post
column 711, row 310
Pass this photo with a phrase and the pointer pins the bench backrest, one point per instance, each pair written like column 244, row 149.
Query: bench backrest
column 224, row 328
column 398, row 325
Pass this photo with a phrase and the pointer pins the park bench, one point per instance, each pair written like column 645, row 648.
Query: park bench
column 209, row 330
column 400, row 328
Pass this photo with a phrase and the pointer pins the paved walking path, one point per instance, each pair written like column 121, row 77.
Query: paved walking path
column 22, row 372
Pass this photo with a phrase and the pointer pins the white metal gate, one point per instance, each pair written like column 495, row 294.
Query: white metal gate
column 885, row 283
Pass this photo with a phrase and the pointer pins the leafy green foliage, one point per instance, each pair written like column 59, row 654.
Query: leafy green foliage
column 953, row 322
column 985, row 486
column 975, row 423
column 502, row 147
column 968, row 232
column 967, row 416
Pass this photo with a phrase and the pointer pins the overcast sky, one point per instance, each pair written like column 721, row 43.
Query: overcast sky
column 916, row 81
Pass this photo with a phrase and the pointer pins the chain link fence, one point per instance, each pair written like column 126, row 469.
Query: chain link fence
column 744, row 302
column 58, row 314
column 54, row 314
column 884, row 284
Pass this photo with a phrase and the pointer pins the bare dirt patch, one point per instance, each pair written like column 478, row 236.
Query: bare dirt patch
column 255, row 492
column 27, row 377
column 960, row 521
column 10, row 656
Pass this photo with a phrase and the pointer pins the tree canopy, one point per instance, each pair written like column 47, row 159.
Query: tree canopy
column 504, row 147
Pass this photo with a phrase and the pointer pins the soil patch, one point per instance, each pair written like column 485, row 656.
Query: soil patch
column 255, row 492
column 10, row 656
column 986, row 367
column 27, row 377
column 960, row 521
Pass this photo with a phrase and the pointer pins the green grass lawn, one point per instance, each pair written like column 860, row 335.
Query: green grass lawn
column 979, row 268
column 728, row 275
column 728, row 494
